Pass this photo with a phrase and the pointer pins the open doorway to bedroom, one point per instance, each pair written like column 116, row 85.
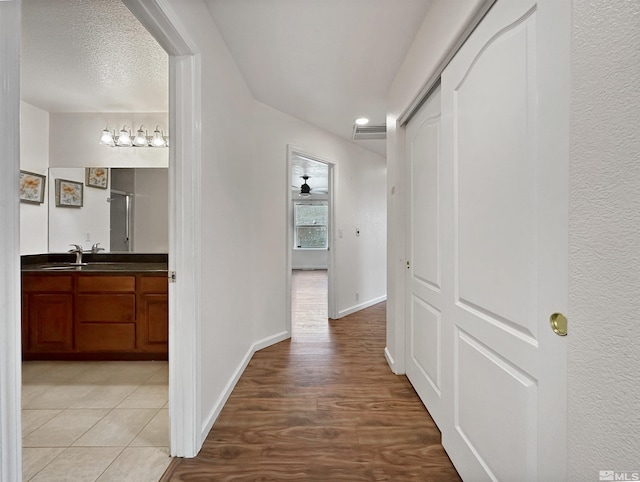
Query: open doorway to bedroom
column 310, row 234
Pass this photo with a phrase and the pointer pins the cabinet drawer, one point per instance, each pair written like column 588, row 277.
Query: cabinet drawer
column 47, row 283
column 106, row 283
column 154, row 284
column 107, row 308
column 106, row 337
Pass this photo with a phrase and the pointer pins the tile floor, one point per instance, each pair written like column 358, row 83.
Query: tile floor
column 94, row 421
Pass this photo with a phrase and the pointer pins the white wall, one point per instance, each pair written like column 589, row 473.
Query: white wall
column 359, row 194
column 309, row 259
column 443, row 23
column 84, row 226
column 604, row 242
column 74, row 140
column 151, row 211
column 34, row 157
column 226, row 330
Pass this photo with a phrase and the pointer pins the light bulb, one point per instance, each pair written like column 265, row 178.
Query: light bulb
column 124, row 139
column 140, row 140
column 107, row 138
column 158, row 139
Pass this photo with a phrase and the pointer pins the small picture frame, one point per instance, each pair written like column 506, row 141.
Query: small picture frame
column 69, row 193
column 32, row 187
column 96, row 177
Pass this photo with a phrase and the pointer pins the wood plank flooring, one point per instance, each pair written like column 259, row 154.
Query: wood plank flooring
column 323, row 406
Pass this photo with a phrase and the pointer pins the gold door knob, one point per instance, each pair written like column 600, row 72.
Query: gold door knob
column 558, row 324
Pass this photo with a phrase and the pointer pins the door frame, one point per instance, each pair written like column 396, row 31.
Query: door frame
column 331, row 276
column 10, row 326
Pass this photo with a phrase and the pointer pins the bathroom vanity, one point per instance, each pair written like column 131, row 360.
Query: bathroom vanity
column 111, row 307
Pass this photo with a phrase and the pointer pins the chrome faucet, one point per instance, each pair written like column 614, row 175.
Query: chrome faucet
column 77, row 249
column 95, row 249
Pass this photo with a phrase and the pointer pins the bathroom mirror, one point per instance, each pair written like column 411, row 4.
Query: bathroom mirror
column 130, row 214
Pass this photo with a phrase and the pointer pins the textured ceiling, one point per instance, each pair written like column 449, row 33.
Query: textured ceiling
column 90, row 56
column 323, row 61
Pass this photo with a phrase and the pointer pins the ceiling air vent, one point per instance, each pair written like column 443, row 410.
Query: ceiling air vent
column 363, row 133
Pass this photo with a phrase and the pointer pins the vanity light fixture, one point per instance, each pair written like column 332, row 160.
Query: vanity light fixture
column 141, row 139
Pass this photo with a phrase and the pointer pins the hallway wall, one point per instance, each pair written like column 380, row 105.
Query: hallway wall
column 604, row 240
column 225, row 221
column 359, row 202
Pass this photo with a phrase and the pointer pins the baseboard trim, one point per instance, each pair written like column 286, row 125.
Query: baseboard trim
column 226, row 393
column 362, row 306
column 390, row 360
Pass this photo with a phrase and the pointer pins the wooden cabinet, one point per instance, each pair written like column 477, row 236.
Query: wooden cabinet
column 94, row 316
column 153, row 314
column 47, row 314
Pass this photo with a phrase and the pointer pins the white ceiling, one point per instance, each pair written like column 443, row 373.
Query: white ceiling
column 326, row 62
column 318, row 173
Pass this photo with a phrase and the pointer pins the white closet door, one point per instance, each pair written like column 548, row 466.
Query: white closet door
column 424, row 349
column 503, row 373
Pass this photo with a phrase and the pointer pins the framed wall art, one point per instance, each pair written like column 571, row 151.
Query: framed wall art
column 69, row 193
column 32, row 187
column 96, row 177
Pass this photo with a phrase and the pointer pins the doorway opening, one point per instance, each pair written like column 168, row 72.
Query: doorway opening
column 310, row 250
column 69, row 403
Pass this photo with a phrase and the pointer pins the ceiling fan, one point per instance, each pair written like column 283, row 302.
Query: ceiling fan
column 305, row 189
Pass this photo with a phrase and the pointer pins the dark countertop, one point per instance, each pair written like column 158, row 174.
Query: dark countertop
column 120, row 263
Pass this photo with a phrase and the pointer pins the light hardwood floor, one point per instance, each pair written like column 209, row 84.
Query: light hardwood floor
column 323, row 406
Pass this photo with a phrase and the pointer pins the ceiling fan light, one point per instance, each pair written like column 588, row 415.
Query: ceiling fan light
column 305, row 189
column 124, row 139
column 106, row 139
column 140, row 140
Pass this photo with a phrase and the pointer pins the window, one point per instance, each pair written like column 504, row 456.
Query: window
column 310, row 222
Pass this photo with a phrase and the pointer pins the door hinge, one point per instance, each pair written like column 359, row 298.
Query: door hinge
column 172, row 276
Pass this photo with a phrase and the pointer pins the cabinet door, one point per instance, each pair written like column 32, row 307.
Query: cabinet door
column 50, row 322
column 153, row 315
